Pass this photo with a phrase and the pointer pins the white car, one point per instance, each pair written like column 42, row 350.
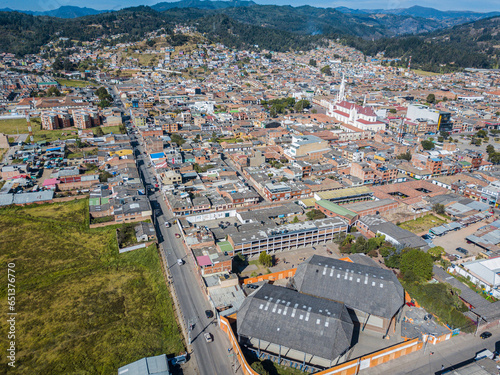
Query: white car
column 208, row 337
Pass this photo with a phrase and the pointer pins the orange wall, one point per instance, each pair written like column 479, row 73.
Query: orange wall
column 271, row 276
column 245, row 367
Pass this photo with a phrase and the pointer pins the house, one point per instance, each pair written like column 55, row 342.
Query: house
column 145, row 232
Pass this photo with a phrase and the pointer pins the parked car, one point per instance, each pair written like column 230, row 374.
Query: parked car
column 485, row 335
column 208, row 337
column 462, row 250
column 209, row 314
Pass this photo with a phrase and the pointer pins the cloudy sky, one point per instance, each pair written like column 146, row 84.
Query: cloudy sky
column 479, row 6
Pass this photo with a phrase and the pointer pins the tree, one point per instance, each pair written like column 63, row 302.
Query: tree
column 103, row 94
column 315, row 214
column 427, row 145
column 490, row 149
column 266, row 259
column 104, row 103
column 295, row 220
column 176, row 138
column 53, row 91
column 481, row 133
column 104, row 176
column 439, row 208
column 405, row 156
column 436, row 252
column 98, row 132
column 259, row 368
column 301, row 104
column 393, row 261
column 312, row 62
column 326, row 70
column 416, row 265
column 431, row 98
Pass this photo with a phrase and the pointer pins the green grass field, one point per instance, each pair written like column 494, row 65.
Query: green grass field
column 75, row 83
column 12, row 126
column 422, row 224
column 82, row 307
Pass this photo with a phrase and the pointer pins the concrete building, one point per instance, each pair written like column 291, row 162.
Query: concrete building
column 307, row 147
column 418, row 112
column 286, row 237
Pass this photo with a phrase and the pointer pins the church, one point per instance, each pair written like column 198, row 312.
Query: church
column 361, row 117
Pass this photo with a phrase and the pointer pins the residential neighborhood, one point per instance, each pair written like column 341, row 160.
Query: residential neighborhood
column 341, row 220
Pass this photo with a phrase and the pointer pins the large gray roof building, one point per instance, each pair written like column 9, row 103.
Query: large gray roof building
column 298, row 322
column 372, row 293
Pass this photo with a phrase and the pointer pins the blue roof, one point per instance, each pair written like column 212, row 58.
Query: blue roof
column 435, row 159
column 157, row 155
column 54, row 148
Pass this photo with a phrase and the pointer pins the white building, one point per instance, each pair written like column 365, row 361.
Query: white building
column 484, row 272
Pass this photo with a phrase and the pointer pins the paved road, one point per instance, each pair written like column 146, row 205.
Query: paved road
column 212, row 358
column 447, row 354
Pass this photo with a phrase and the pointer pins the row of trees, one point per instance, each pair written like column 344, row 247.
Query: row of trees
column 285, row 105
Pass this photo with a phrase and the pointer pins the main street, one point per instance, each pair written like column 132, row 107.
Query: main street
column 212, row 357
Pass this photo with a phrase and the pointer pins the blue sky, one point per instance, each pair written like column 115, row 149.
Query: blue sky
column 479, row 6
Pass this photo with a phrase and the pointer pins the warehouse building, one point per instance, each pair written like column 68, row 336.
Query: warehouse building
column 294, row 326
column 373, row 296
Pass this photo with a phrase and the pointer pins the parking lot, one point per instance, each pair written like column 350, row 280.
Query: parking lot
column 451, row 240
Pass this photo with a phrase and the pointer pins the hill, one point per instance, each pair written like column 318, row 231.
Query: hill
column 61, row 12
column 431, row 13
column 443, row 50
column 202, row 4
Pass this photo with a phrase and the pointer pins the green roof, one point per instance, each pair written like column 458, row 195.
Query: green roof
column 465, row 163
column 335, row 208
column 225, row 246
column 94, row 201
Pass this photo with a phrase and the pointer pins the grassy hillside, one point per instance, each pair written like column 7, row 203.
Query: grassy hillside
column 82, row 307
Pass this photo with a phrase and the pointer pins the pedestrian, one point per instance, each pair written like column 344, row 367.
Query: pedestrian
column 442, row 367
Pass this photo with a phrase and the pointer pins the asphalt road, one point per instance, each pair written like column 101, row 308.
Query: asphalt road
column 212, row 358
column 445, row 355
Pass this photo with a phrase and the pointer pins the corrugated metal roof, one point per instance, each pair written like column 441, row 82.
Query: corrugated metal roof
column 298, row 321
column 157, row 365
column 340, row 193
column 370, row 289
